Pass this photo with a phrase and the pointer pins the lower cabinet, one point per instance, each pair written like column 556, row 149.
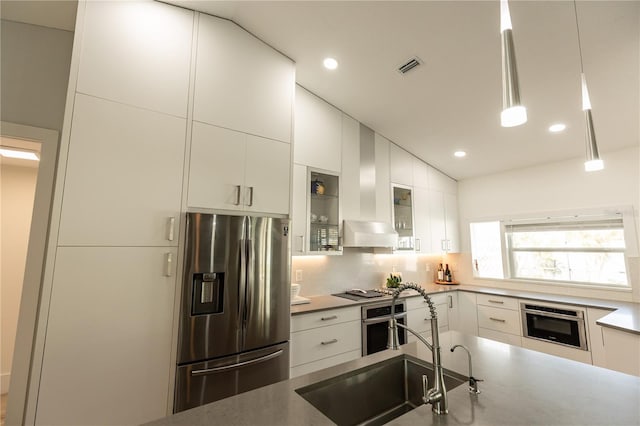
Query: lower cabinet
column 419, row 317
column 467, row 313
column 107, row 358
column 611, row 348
column 499, row 319
column 323, row 339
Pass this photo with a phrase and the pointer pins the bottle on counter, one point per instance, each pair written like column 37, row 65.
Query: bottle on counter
column 447, row 274
column 440, row 273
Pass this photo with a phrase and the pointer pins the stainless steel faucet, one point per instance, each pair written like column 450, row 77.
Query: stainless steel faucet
column 437, row 395
column 473, row 382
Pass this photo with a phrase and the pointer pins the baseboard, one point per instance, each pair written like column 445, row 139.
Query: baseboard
column 4, row 377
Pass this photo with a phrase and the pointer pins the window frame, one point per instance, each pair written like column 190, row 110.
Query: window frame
column 625, row 214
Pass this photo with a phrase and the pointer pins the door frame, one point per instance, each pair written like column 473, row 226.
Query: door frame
column 36, row 257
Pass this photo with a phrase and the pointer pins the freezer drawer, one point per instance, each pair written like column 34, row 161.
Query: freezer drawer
column 205, row 382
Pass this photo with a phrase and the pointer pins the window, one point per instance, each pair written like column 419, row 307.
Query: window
column 570, row 250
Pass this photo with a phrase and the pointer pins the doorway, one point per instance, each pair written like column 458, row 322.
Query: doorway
column 27, row 165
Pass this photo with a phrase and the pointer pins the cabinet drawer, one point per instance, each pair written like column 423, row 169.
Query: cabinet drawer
column 419, row 302
column 324, row 318
column 498, row 301
column 498, row 336
column 323, row 342
column 419, row 318
column 504, row 320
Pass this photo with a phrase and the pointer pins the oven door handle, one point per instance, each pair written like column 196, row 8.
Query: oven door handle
column 577, row 318
column 385, row 318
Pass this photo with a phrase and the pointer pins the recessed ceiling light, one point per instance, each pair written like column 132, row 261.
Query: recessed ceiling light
column 558, row 127
column 330, row 63
column 460, row 154
column 23, row 155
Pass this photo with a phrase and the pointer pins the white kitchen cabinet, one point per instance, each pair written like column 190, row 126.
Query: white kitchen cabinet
column 350, row 168
column 443, row 215
column 323, row 339
column 234, row 171
column 241, row 83
column 107, row 357
column 419, row 316
column 499, row 318
column 611, row 348
column 420, row 173
column 422, row 224
column 403, row 216
column 123, row 180
column 401, row 163
column 467, row 313
column 317, row 132
column 383, row 179
column 438, row 181
column 137, row 53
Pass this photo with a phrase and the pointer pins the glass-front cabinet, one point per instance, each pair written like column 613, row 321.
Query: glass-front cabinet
column 403, row 216
column 324, row 212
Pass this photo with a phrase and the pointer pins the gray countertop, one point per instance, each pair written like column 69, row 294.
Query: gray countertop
column 625, row 316
column 520, row 387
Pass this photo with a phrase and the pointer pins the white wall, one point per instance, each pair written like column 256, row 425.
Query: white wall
column 17, row 189
column 551, row 187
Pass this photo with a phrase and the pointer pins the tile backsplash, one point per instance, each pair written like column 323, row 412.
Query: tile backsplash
column 359, row 268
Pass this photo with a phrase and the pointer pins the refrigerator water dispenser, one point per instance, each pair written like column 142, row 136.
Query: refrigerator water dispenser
column 208, row 290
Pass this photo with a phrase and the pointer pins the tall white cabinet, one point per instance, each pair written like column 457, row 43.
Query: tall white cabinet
column 146, row 120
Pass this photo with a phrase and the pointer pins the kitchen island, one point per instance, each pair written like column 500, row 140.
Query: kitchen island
column 520, row 387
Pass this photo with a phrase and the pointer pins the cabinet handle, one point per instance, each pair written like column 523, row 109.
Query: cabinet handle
column 238, row 189
column 328, row 342
column 332, row 317
column 496, row 301
column 250, row 196
column 443, row 245
column 497, row 319
column 418, row 244
column 450, row 301
column 301, row 247
column 171, row 223
column 168, row 269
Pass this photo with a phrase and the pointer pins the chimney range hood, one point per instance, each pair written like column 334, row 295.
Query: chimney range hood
column 369, row 234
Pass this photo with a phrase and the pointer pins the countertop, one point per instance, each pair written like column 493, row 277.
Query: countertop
column 625, row 316
column 520, row 387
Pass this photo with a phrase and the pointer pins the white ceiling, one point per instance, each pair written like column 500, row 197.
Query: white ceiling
column 454, row 99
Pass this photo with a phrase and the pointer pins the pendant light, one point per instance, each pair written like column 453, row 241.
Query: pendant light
column 593, row 162
column 513, row 113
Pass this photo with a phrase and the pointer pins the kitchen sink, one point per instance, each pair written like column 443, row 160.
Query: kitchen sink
column 376, row 394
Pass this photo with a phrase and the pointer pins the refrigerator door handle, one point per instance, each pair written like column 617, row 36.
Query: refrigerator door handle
column 242, row 288
column 237, row 365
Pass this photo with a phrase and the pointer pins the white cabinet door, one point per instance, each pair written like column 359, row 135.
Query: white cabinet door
column 383, row 179
column 267, row 175
column 317, row 132
column 350, row 168
column 437, row 221
column 216, row 172
column 622, row 351
column 242, row 83
column 401, row 166
column 467, row 313
column 420, row 173
column 299, row 240
column 440, row 182
column 422, row 225
column 108, row 354
column 451, row 222
column 137, row 53
column 123, row 182
column 596, row 336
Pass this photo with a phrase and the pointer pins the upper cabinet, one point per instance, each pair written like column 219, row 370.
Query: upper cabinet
column 137, row 53
column 123, row 182
column 401, row 166
column 241, row 83
column 351, row 164
column 236, row 171
column 403, row 216
column 443, row 212
column 318, row 132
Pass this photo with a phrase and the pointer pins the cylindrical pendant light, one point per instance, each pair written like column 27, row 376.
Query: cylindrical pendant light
column 513, row 113
column 593, row 162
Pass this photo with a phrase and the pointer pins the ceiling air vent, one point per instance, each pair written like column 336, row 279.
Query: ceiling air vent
column 409, row 65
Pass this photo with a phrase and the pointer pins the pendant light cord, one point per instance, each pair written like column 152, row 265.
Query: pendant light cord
column 575, row 9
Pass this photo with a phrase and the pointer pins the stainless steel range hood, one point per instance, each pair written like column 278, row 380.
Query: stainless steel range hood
column 369, row 234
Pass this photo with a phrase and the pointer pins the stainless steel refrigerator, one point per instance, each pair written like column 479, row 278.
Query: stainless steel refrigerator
column 234, row 324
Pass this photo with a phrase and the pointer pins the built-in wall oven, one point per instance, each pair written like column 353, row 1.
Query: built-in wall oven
column 554, row 324
column 375, row 326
